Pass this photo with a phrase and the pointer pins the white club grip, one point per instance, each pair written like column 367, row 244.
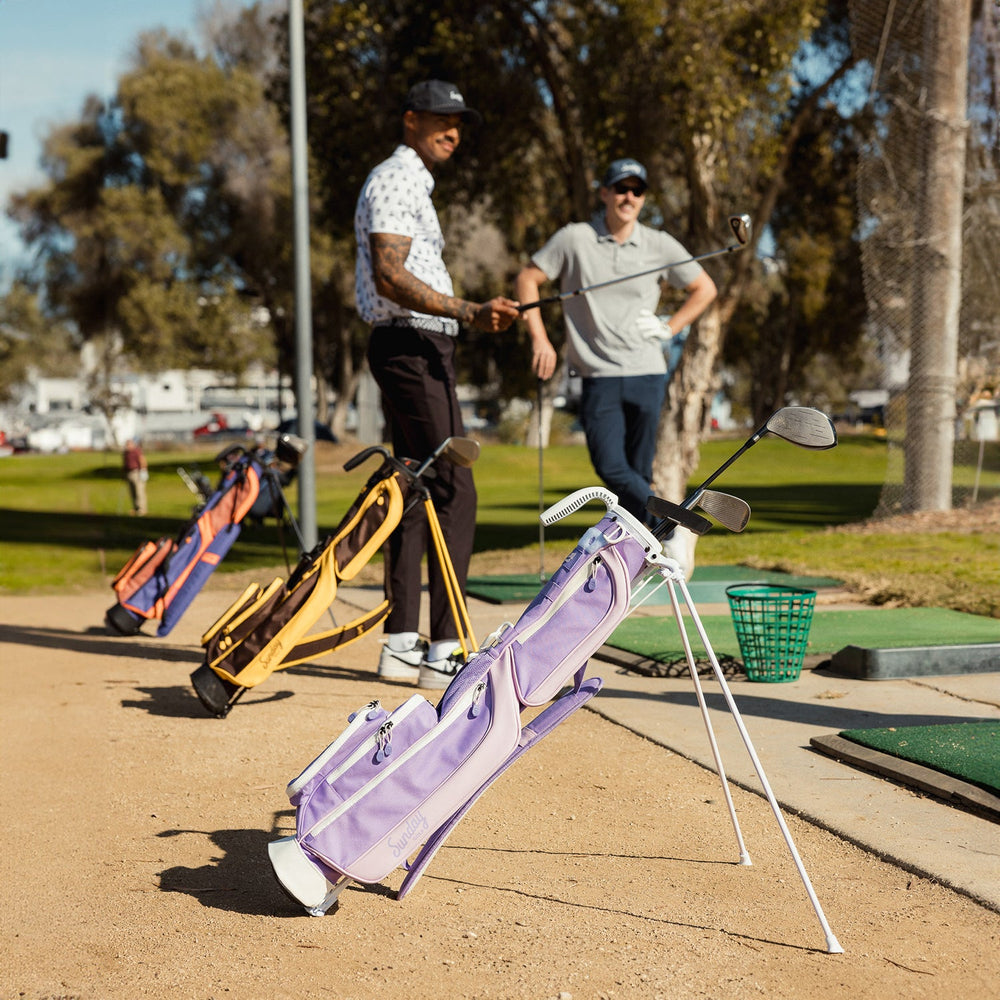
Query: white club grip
column 572, row 503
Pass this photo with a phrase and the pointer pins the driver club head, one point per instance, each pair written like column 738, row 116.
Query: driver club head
column 741, row 227
column 804, row 426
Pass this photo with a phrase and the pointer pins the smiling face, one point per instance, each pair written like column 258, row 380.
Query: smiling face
column 434, row 137
column 623, row 202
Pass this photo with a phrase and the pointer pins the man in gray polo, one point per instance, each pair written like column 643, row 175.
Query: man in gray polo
column 613, row 335
column 405, row 291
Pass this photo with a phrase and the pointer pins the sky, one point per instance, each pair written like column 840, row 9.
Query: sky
column 53, row 53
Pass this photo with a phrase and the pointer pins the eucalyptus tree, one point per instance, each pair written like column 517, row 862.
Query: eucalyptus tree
column 29, row 341
column 127, row 228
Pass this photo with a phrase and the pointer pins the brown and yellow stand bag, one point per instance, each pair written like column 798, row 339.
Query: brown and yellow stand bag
column 268, row 628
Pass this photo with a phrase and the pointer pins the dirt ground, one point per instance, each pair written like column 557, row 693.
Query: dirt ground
column 983, row 517
column 134, row 833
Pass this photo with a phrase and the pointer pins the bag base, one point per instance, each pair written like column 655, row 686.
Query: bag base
column 121, row 621
column 300, row 879
column 215, row 693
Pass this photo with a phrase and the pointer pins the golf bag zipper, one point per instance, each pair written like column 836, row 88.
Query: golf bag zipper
column 462, row 706
column 589, row 571
column 355, row 721
column 371, row 744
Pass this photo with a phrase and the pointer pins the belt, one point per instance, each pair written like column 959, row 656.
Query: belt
column 430, row 324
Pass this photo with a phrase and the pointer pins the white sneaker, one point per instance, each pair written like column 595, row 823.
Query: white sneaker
column 440, row 673
column 396, row 665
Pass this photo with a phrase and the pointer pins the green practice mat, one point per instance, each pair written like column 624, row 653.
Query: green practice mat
column 707, row 585
column 966, row 750
column 504, row 588
column 657, row 638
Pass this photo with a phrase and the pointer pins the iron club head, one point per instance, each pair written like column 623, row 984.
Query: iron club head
column 742, row 227
column 731, row 512
column 461, row 450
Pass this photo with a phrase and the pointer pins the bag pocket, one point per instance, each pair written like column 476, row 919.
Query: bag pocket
column 360, row 725
column 569, row 625
column 400, row 796
column 142, row 566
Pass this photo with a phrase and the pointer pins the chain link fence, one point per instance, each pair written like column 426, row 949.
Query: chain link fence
column 896, row 39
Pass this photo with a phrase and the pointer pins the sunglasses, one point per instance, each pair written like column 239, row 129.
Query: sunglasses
column 622, row 188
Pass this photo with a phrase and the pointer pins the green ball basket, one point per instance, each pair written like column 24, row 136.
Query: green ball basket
column 772, row 625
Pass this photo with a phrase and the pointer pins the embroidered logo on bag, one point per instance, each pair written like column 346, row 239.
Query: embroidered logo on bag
column 417, row 823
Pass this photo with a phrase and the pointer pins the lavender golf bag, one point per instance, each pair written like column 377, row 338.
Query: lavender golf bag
column 393, row 781
column 394, row 785
column 268, row 628
column 163, row 577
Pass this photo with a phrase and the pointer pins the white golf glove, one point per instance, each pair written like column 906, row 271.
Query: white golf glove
column 651, row 327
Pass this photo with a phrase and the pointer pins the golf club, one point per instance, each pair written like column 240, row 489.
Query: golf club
column 740, row 225
column 799, row 425
column 541, row 493
column 731, row 512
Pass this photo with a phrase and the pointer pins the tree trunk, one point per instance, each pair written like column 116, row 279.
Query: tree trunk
column 532, row 434
column 937, row 288
column 553, row 47
column 687, row 408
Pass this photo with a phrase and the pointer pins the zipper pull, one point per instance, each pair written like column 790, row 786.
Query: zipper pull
column 384, row 743
column 592, row 575
column 370, row 710
column 477, row 700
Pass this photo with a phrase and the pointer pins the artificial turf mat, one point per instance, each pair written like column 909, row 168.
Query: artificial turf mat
column 657, row 638
column 959, row 762
column 707, row 585
column 966, row 750
column 504, row 588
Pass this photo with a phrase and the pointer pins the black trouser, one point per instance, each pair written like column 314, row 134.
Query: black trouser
column 416, row 372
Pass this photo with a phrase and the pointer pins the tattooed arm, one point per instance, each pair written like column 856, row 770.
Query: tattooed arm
column 393, row 281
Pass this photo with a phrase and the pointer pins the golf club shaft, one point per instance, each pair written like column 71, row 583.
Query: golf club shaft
column 628, row 277
column 663, row 526
column 693, row 498
column 541, row 491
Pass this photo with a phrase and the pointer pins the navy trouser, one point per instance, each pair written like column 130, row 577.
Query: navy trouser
column 416, row 372
column 620, row 415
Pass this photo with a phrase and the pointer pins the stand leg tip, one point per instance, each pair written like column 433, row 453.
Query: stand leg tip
column 833, row 946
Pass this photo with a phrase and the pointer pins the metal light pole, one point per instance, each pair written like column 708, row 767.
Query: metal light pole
column 303, row 284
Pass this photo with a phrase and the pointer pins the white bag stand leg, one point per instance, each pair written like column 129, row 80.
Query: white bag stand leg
column 673, row 576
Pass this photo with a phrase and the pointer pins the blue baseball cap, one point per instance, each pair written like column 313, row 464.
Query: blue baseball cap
column 621, row 170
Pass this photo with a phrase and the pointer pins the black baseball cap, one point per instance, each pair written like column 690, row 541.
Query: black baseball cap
column 621, row 170
column 440, row 98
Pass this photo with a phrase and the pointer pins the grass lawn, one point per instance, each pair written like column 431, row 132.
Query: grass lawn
column 64, row 521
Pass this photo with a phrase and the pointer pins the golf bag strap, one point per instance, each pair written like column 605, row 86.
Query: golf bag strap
column 543, row 724
column 318, row 644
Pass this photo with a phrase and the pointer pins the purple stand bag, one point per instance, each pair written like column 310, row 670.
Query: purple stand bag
column 395, row 781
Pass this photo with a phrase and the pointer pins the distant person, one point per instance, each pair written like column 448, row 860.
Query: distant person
column 405, row 292
column 136, row 474
column 613, row 335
